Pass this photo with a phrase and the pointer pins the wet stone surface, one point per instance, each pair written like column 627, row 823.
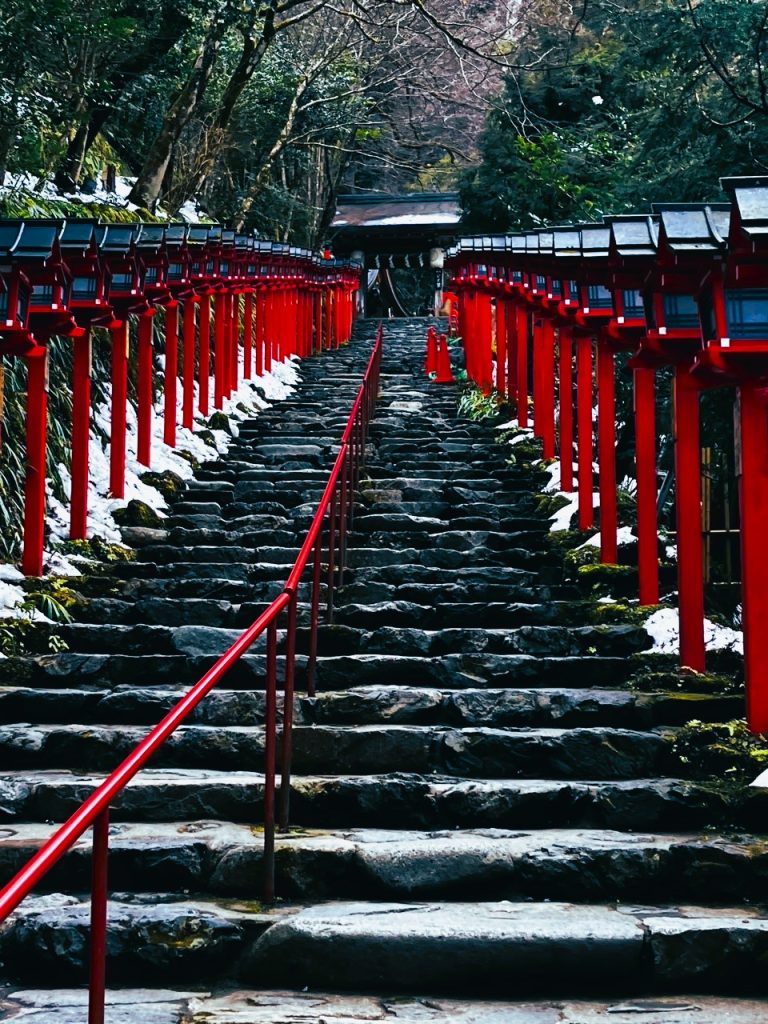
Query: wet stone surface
column 482, row 803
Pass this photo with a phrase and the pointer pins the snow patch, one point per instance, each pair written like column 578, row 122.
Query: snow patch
column 624, row 536
column 663, row 626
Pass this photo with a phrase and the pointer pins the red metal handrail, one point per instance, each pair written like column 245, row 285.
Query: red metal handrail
column 336, row 505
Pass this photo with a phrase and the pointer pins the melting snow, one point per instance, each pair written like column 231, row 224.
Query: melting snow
column 663, row 627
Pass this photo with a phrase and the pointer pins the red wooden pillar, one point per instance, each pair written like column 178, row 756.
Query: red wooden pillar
column 269, row 317
column 484, row 341
column 690, row 559
column 248, row 336
column 606, row 427
column 219, row 347
column 171, row 370
column 522, row 366
column 501, row 348
column 145, row 396
column 329, row 318
column 119, row 404
column 537, row 377
column 188, row 331
column 753, row 494
column 318, row 335
column 510, row 322
column 547, row 397
column 204, row 356
column 566, row 408
column 466, row 329
column 645, row 472
column 234, row 362
column 584, row 427
column 34, row 483
column 81, row 429
column 260, row 300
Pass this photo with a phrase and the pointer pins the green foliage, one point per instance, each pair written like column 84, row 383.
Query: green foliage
column 475, row 404
column 722, row 750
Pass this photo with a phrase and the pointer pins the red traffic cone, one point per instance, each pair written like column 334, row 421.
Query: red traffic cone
column 430, row 364
column 444, row 371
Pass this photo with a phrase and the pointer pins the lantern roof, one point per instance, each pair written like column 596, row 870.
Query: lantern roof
column 750, row 198
column 118, row 238
column 10, row 232
column 595, row 239
column 34, row 239
column 693, row 227
column 566, row 241
column 517, row 243
column 78, row 236
column 198, row 234
column 151, row 236
column 532, row 243
column 175, row 234
column 633, row 234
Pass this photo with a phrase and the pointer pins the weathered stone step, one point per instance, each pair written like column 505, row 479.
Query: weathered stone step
column 511, row 949
column 576, row 753
column 453, row 671
column 376, row 704
column 164, row 1006
column 448, row 558
column 172, row 940
column 449, row 613
column 224, row 859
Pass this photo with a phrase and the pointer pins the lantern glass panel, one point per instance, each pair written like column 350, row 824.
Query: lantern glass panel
column 633, row 304
column 599, row 297
column 573, row 290
column 151, row 275
column 517, row 277
column 210, row 266
column 747, row 312
column 224, row 268
column 681, row 311
column 22, row 303
column 707, row 310
column 84, row 289
column 175, row 271
column 482, row 270
column 541, row 282
column 122, row 282
column 557, row 288
column 43, row 294
column 3, row 304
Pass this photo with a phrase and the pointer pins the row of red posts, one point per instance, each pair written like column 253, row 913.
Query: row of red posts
column 685, row 286
column 231, row 302
column 438, row 358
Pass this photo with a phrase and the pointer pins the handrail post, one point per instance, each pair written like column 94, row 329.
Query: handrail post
column 287, row 739
column 98, row 939
column 270, row 750
column 314, row 613
column 331, row 554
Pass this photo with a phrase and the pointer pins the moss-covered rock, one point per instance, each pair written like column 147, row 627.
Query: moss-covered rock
column 720, row 750
column 220, row 422
column 169, row 484
column 578, row 557
column 190, row 458
column 136, row 513
column 548, row 504
column 613, row 612
column 603, row 580
column 683, row 680
column 206, row 436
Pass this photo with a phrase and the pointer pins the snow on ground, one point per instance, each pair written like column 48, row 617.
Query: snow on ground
column 664, row 628
column 624, row 536
column 561, row 520
column 244, row 403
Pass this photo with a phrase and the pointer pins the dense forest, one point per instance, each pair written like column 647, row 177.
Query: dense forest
column 258, row 111
column 613, row 105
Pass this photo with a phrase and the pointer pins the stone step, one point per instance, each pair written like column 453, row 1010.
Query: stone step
column 397, row 800
column 581, row 865
column 166, row 941
column 511, row 949
column 453, row 671
column 371, row 705
column 225, row 1006
column 486, row 752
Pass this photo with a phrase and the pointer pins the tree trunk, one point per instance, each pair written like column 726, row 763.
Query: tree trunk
column 146, row 192
column 250, row 58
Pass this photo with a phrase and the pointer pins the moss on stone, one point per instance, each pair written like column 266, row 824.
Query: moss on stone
column 206, row 436
column 220, row 422
column 548, row 504
column 684, row 681
column 614, row 612
column 137, row 513
column 168, row 483
column 601, row 579
column 720, row 750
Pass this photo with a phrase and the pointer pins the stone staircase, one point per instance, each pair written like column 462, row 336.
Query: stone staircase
column 490, row 823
